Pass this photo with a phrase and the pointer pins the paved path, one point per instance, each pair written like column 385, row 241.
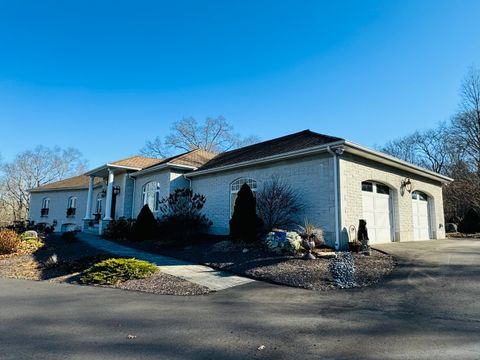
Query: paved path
column 198, row 274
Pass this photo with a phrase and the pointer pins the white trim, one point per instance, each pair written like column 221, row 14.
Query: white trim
column 161, row 167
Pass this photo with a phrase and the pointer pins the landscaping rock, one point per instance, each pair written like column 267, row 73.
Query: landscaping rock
column 343, row 271
column 326, row 255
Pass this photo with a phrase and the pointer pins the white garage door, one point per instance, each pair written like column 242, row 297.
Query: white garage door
column 377, row 211
column 421, row 227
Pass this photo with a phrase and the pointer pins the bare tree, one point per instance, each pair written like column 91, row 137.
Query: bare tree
column 434, row 149
column 278, row 205
column 467, row 121
column 215, row 135
column 32, row 168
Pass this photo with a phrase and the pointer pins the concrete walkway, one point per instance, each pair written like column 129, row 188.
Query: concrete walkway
column 198, row 274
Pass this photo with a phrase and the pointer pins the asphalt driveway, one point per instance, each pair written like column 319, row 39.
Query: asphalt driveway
column 428, row 309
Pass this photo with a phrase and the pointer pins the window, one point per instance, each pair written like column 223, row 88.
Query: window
column 72, row 206
column 367, row 186
column 375, row 187
column 45, row 207
column 235, row 188
column 151, row 195
column 382, row 189
column 417, row 195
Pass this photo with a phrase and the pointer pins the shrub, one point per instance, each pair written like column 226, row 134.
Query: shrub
column 310, row 232
column 182, row 217
column 289, row 243
column 145, row 226
column 244, row 224
column 120, row 229
column 113, row 271
column 470, row 223
column 9, row 241
column 278, row 204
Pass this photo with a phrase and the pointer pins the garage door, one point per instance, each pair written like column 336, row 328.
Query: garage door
column 421, row 220
column 377, row 211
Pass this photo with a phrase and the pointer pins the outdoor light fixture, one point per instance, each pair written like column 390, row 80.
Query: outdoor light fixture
column 116, row 190
column 407, row 184
column 339, row 150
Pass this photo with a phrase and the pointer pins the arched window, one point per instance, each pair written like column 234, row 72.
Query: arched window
column 235, row 188
column 71, row 206
column 151, row 195
column 45, row 206
column 418, row 195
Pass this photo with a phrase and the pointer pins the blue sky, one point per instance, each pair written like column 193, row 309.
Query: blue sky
column 104, row 76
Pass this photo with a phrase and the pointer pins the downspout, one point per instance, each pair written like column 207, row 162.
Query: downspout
column 133, row 195
column 336, row 197
column 189, row 181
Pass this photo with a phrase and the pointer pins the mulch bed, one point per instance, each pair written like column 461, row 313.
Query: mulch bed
column 286, row 270
column 74, row 257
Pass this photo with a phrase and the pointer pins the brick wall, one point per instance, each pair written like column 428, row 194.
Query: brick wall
column 354, row 170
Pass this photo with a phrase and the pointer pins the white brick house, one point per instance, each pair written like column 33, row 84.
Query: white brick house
column 338, row 181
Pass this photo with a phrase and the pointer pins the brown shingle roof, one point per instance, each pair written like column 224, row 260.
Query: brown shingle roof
column 194, row 158
column 76, row 182
column 139, row 162
column 297, row 141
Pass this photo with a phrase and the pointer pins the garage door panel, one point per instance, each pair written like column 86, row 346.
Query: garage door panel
column 420, row 217
column 377, row 213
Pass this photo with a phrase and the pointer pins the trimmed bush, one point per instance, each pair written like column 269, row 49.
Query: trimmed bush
column 120, row 229
column 114, row 271
column 245, row 223
column 9, row 242
column 145, row 226
column 470, row 223
column 182, row 218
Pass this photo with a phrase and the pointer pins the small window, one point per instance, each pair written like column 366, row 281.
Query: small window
column 72, row 202
column 367, row 186
column 235, row 188
column 71, row 206
column 151, row 195
column 45, row 207
column 382, row 189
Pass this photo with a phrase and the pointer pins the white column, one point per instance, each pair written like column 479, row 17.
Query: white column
column 88, row 213
column 108, row 206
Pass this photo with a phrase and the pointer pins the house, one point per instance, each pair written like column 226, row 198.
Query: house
column 338, row 181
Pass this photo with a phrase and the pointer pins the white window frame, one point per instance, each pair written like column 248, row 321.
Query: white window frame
column 46, row 203
column 149, row 190
column 235, row 188
column 72, row 202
